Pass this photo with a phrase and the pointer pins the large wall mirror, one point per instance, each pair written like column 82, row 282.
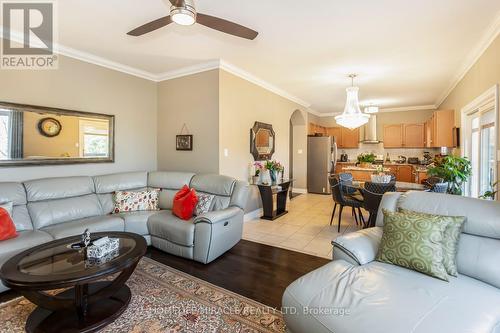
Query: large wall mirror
column 35, row 135
column 262, row 141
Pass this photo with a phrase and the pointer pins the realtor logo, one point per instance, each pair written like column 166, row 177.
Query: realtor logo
column 28, row 35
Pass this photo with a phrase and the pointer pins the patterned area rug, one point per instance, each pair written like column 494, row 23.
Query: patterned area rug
column 167, row 300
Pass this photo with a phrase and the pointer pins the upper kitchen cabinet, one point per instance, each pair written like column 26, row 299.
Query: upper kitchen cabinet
column 443, row 124
column 414, row 136
column 393, row 136
column 439, row 129
column 336, row 132
column 349, row 138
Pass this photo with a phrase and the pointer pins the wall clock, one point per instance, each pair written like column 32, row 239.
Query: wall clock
column 49, row 127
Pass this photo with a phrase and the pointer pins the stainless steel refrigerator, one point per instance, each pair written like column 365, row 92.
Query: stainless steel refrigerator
column 321, row 161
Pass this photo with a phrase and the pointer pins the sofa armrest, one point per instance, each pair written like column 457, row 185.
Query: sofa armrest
column 217, row 216
column 358, row 247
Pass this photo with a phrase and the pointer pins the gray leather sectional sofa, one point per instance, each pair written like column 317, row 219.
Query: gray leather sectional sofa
column 53, row 208
column 356, row 294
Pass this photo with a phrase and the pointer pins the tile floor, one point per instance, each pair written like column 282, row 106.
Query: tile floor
column 306, row 228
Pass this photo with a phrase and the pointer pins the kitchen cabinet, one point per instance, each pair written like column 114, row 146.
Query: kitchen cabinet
column 393, row 136
column 443, row 124
column 340, row 166
column 336, row 132
column 349, row 138
column 405, row 174
column 414, row 136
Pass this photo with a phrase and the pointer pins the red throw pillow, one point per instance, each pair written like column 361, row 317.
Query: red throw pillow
column 7, row 226
column 183, row 206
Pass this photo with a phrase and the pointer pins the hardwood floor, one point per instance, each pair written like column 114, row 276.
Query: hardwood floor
column 257, row 271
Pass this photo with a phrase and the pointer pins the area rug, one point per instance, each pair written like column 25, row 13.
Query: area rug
column 167, row 300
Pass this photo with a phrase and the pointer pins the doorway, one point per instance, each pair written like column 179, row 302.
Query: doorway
column 480, row 141
column 298, row 153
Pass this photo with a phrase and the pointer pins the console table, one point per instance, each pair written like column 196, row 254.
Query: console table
column 267, row 192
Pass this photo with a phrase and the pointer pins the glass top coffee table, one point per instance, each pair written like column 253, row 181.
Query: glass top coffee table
column 91, row 299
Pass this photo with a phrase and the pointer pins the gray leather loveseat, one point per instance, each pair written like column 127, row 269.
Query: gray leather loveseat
column 356, row 294
column 53, row 208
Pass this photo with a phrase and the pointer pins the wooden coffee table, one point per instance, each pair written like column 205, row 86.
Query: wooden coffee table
column 91, row 299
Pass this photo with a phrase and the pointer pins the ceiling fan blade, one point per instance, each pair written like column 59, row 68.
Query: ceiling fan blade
column 226, row 26
column 151, row 26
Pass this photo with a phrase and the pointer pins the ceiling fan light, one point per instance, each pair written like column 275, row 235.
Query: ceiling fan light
column 183, row 15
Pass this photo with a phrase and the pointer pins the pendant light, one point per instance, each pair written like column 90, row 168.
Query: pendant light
column 352, row 117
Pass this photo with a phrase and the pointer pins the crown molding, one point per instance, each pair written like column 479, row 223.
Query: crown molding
column 489, row 36
column 409, row 108
column 17, row 37
column 264, row 84
column 189, row 70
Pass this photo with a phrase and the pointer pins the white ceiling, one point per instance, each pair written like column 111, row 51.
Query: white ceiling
column 406, row 52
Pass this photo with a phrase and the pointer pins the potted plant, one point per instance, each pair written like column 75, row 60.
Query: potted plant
column 366, row 160
column 455, row 170
column 490, row 194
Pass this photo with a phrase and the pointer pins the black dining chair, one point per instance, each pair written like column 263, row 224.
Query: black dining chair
column 347, row 180
column 439, row 188
column 371, row 204
column 380, row 188
column 342, row 200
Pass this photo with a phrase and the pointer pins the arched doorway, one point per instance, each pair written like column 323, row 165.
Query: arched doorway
column 298, row 151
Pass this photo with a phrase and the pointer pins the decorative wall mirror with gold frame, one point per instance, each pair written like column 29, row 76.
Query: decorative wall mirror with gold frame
column 38, row 135
column 262, row 141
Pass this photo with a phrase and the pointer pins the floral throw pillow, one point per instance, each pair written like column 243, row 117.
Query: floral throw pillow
column 414, row 242
column 204, row 203
column 127, row 201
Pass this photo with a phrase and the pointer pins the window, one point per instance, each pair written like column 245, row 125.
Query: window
column 4, row 134
column 479, row 145
column 94, row 140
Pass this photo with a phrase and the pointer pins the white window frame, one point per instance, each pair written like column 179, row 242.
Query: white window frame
column 477, row 105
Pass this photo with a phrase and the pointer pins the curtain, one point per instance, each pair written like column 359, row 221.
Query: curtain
column 17, row 123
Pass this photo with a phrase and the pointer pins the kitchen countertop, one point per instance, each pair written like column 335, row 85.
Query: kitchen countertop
column 418, row 167
column 355, row 168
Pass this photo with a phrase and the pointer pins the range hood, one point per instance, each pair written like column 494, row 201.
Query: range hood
column 370, row 131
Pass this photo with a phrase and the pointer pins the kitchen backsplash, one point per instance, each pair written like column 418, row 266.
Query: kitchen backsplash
column 378, row 149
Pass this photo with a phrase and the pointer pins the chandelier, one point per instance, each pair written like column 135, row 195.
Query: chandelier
column 352, row 117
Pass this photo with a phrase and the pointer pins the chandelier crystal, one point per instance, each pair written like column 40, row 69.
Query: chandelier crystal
column 352, row 117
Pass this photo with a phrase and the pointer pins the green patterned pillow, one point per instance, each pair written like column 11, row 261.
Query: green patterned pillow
column 415, row 242
column 450, row 240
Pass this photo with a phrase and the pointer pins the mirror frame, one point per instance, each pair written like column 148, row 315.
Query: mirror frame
column 253, row 148
column 57, row 111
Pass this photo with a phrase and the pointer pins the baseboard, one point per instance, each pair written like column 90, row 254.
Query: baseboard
column 299, row 190
column 253, row 215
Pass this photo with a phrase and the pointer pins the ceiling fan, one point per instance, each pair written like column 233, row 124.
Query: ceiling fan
column 183, row 12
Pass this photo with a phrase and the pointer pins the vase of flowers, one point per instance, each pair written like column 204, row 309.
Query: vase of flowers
column 274, row 167
column 258, row 171
column 366, row 160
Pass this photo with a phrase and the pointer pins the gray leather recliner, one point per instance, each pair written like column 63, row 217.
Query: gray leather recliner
column 354, row 293
column 53, row 208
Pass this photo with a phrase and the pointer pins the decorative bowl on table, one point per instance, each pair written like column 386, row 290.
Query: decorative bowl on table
column 383, row 179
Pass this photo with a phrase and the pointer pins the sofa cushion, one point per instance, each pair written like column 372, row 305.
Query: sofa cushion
column 169, row 183
column 385, row 298
column 220, row 186
column 15, row 193
column 7, row 226
column 134, row 201
column 46, row 213
column 137, row 222
column 167, row 226
column 23, row 241
column 120, row 182
column 56, row 188
column 77, row 227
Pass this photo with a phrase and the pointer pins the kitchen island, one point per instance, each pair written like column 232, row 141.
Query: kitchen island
column 411, row 173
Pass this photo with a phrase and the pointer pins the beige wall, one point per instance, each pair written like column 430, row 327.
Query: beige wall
column 484, row 74
column 242, row 103
column 192, row 100
column 63, row 145
column 81, row 86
